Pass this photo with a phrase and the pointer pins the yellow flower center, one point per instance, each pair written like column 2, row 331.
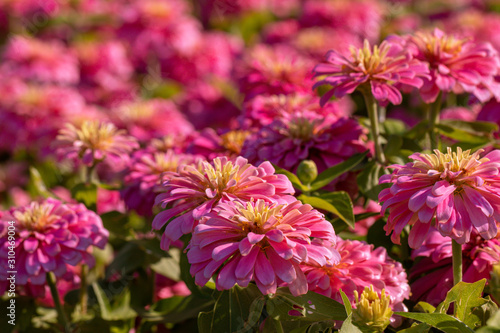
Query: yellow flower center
column 96, row 135
column 36, row 216
column 371, row 62
column 302, row 128
column 233, row 140
column 453, row 161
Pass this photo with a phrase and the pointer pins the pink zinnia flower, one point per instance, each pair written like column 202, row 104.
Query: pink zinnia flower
column 360, row 266
column 210, row 144
column 94, row 142
column 194, row 191
column 143, row 175
column 432, row 274
column 260, row 241
column 40, row 61
column 166, row 288
column 457, row 65
column 381, row 71
column 327, row 140
column 50, row 235
column 457, row 193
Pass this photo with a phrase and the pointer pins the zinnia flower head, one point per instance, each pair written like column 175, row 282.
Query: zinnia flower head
column 194, row 190
column 381, row 71
column 372, row 312
column 94, row 142
column 260, row 241
column 432, row 273
column 143, row 175
column 327, row 140
column 50, row 235
column 457, row 193
column 457, row 65
column 210, row 144
column 360, row 266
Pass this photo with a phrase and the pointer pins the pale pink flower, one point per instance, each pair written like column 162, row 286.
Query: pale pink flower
column 260, row 241
column 40, row 61
column 49, row 237
column 194, row 191
column 327, row 140
column 382, row 71
column 360, row 266
column 143, row 175
column 93, row 142
column 456, row 65
column 457, row 193
column 432, row 273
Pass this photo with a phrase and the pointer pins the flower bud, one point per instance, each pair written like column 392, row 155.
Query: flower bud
column 372, row 313
column 307, row 171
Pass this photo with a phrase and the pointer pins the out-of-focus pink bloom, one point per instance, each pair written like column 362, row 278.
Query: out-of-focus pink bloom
column 327, row 140
column 432, row 274
column 40, row 61
column 104, row 63
column 491, row 112
column 153, row 118
column 459, row 113
column 144, row 173
column 264, row 109
column 261, row 241
column 194, row 191
column 360, row 266
column 273, row 70
column 381, row 71
column 30, row 9
column 50, row 236
column 93, row 142
column 361, row 227
column 109, row 200
column 361, row 17
column 456, row 65
column 217, row 10
column 210, row 144
column 13, row 174
column 457, row 193
column 166, row 288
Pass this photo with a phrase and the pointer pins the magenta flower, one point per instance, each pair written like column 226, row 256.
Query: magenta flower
column 456, row 65
column 360, row 266
column 457, row 193
column 94, row 142
column 49, row 236
column 210, row 144
column 260, row 241
column 327, row 140
column 432, row 274
column 194, row 191
column 143, row 176
column 383, row 71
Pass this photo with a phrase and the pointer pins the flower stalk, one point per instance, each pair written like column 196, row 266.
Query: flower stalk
column 372, row 107
column 457, row 261
column 63, row 320
column 433, row 114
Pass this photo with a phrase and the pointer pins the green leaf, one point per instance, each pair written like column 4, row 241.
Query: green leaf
column 292, row 178
column 425, row 307
column 309, row 307
column 471, row 126
column 169, row 267
column 349, row 327
column 338, row 203
column 368, row 180
column 116, row 223
column 485, row 311
column 327, row 176
column 177, row 309
column 493, row 324
column 393, row 146
column 347, row 303
column 417, row 328
column 393, row 127
column 119, row 310
column 38, row 184
column 86, row 193
column 467, row 297
column 461, row 135
column 234, row 310
column 440, row 321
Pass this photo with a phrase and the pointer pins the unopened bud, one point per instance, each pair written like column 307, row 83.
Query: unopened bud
column 372, row 313
column 307, row 171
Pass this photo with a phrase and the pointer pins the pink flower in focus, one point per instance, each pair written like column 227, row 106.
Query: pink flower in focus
column 456, row 65
column 456, row 193
column 432, row 274
column 194, row 191
column 50, row 236
column 144, row 173
column 273, row 70
column 382, row 71
column 260, row 241
column 40, row 61
column 360, row 266
column 327, row 140
column 94, row 142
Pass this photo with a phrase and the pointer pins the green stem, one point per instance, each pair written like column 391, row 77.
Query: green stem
column 372, row 107
column 457, row 261
column 63, row 320
column 83, row 290
column 433, row 121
